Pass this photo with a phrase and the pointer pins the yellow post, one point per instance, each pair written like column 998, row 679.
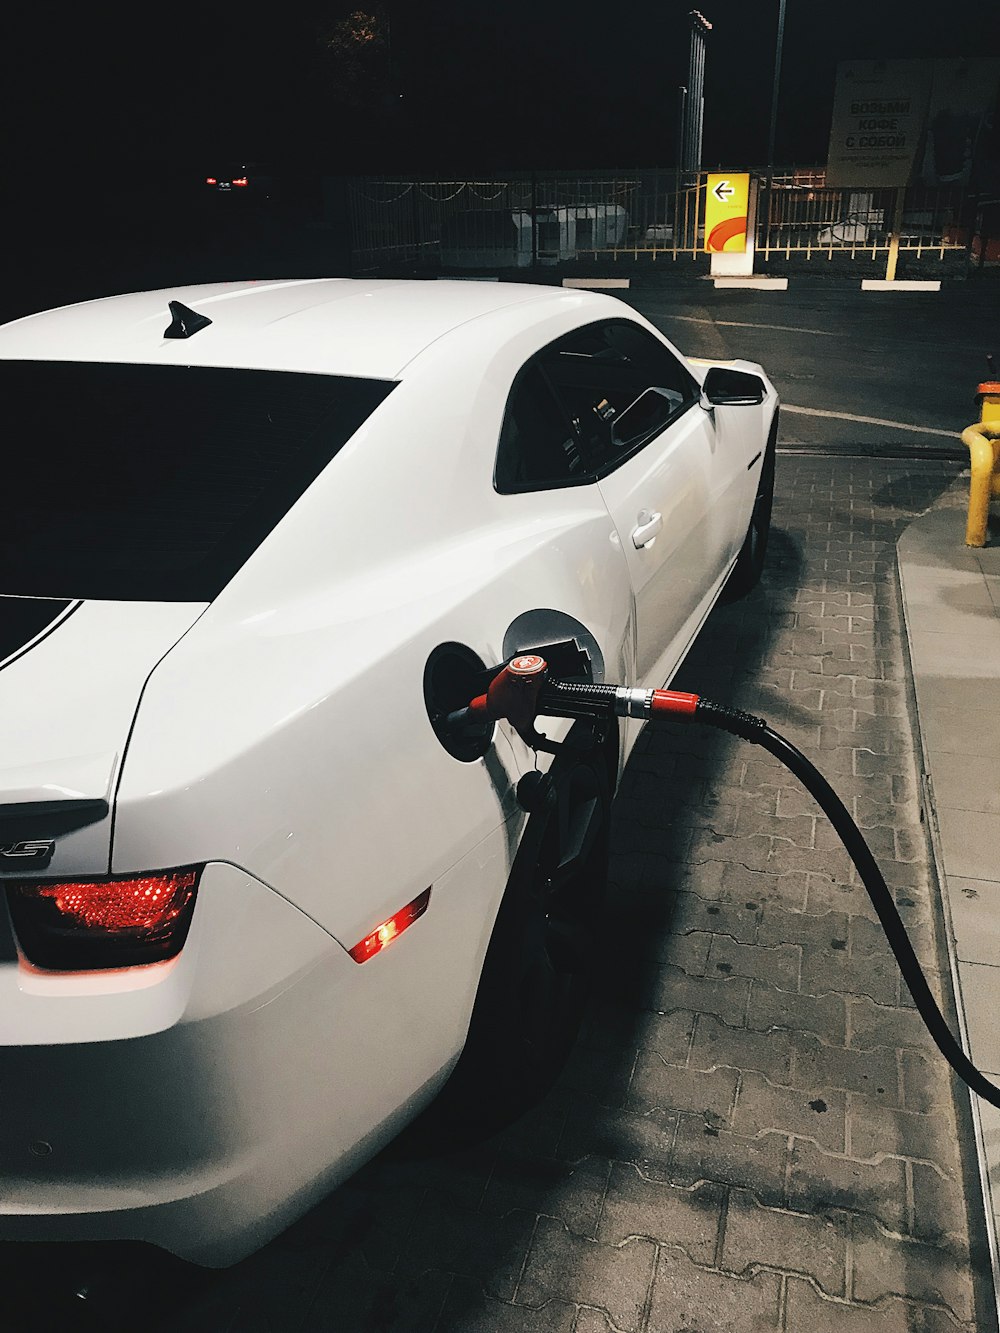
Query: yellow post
column 983, row 441
column 897, row 227
column 988, row 398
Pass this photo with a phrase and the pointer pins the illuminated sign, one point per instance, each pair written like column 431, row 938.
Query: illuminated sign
column 726, row 198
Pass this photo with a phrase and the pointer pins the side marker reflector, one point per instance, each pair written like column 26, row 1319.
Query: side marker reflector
column 388, row 930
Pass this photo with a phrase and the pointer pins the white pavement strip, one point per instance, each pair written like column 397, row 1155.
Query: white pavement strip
column 741, row 324
column 901, row 285
column 871, row 421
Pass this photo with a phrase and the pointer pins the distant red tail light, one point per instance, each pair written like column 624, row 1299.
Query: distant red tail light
column 240, row 180
column 73, row 925
column 211, row 180
column 388, row 930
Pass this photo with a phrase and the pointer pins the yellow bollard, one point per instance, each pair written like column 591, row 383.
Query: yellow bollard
column 983, row 440
column 988, row 398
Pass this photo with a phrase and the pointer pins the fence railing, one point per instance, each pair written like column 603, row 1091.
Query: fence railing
column 524, row 220
column 817, row 220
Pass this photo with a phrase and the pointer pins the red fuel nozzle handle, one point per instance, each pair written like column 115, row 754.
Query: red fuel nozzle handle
column 513, row 695
column 514, row 690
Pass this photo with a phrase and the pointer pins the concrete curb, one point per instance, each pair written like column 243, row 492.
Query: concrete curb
column 955, row 1006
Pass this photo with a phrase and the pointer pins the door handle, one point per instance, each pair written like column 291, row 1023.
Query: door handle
column 649, row 525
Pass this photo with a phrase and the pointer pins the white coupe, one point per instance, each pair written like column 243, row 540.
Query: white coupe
column 265, row 906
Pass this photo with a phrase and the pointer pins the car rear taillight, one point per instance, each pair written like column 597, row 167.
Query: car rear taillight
column 240, row 180
column 73, row 925
column 211, row 180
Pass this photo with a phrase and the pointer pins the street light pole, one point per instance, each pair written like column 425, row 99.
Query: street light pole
column 766, row 210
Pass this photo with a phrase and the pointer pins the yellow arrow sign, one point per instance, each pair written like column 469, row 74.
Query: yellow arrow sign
column 726, row 212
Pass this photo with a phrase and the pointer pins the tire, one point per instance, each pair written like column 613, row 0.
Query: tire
column 539, row 967
column 750, row 561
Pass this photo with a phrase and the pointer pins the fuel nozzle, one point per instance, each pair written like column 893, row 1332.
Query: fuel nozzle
column 514, row 695
column 523, row 690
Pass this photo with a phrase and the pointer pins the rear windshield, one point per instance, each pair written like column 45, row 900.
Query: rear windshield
column 155, row 483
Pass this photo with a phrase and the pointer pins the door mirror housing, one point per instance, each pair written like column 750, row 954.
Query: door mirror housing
column 724, row 387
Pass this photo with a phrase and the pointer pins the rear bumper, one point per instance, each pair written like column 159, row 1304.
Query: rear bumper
column 202, row 1104
column 174, row 1143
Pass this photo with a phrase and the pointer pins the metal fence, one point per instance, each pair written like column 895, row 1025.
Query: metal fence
column 813, row 220
column 524, row 219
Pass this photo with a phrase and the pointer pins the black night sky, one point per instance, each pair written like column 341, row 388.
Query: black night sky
column 92, row 92
column 114, row 113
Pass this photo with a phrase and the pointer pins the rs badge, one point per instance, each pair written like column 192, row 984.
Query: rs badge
column 32, row 849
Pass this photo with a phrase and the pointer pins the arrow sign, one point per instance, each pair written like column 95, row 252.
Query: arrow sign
column 726, row 198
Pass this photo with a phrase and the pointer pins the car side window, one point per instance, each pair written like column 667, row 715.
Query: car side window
column 538, row 448
column 619, row 386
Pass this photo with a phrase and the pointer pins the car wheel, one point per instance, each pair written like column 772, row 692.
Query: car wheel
column 750, row 561
column 540, row 963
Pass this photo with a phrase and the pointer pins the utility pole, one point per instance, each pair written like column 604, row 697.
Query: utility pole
column 766, row 209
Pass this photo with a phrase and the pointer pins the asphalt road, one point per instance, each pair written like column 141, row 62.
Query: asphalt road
column 909, row 358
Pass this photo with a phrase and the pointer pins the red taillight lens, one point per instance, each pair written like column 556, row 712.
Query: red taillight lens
column 240, row 180
column 99, row 923
column 211, row 180
column 388, row 930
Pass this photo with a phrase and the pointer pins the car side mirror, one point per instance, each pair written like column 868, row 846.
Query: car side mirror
column 649, row 413
column 731, row 388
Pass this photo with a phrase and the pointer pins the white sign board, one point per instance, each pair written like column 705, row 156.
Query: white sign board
column 879, row 111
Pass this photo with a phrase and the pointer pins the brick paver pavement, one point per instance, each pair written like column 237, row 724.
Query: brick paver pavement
column 754, row 1132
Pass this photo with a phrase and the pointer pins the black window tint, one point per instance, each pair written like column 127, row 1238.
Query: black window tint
column 537, row 447
column 158, row 482
column 600, row 371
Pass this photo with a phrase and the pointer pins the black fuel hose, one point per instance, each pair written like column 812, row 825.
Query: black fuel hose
column 522, row 690
column 755, row 729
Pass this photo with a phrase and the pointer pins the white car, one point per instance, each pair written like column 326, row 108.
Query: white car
column 259, row 540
